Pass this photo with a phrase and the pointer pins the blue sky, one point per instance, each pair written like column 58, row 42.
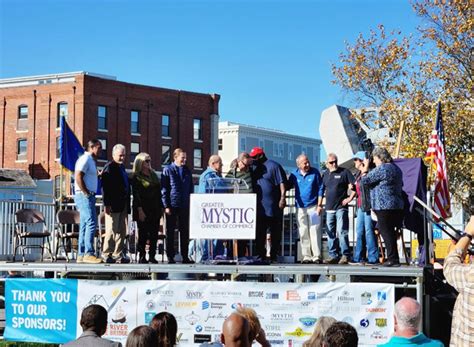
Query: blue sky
column 268, row 59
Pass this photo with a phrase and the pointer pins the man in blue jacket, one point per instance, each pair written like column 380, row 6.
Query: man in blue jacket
column 176, row 188
column 308, row 196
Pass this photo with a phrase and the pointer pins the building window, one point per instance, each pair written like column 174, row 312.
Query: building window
column 261, row 144
column 275, row 149
column 290, row 152
column 58, row 147
column 303, row 150
column 197, row 158
column 165, row 155
column 135, row 122
column 219, row 144
column 243, row 143
column 134, row 150
column 165, row 125
column 57, row 186
column 22, row 117
column 103, row 152
column 62, row 112
column 22, row 146
column 102, row 118
column 197, row 129
column 280, row 150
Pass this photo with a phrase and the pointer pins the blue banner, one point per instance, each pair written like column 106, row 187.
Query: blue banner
column 40, row 310
column 70, row 149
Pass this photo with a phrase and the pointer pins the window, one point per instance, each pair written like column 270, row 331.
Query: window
column 275, row 149
column 280, row 150
column 22, row 146
column 62, row 112
column 290, row 152
column 134, row 150
column 102, row 117
column 165, row 125
column 57, row 186
column 22, row 117
column 58, row 147
column 260, row 143
column 197, row 157
column 242, row 144
column 197, row 129
column 165, row 155
column 303, row 150
column 103, row 152
column 219, row 144
column 135, row 122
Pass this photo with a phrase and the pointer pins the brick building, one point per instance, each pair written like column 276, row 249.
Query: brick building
column 143, row 118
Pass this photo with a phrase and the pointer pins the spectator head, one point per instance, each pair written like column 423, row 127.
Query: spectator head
column 257, row 154
column 235, row 331
column 94, row 318
column 381, row 156
column 166, row 327
column 118, row 153
column 331, row 162
column 179, row 157
column 322, row 325
column 341, row 334
column 215, row 162
column 142, row 159
column 302, row 162
column 94, row 146
column 142, row 336
column 252, row 318
column 407, row 316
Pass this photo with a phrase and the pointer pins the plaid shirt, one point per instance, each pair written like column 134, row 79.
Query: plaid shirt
column 461, row 277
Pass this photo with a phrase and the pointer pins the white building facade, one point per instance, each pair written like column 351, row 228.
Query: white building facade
column 278, row 145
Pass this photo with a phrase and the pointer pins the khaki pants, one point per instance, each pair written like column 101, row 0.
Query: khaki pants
column 115, row 234
column 310, row 235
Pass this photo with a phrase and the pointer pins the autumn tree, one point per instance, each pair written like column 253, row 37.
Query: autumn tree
column 403, row 77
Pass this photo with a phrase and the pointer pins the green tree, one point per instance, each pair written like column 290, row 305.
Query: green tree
column 403, row 77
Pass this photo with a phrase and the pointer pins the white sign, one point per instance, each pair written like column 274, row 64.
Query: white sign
column 223, row 216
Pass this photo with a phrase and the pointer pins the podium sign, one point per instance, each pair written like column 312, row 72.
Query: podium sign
column 223, row 216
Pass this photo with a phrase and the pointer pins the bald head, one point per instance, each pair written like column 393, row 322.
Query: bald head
column 215, row 163
column 235, row 331
column 407, row 315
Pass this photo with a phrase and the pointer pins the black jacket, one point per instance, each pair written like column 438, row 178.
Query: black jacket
column 116, row 192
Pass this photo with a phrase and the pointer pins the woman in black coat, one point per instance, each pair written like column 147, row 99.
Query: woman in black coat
column 147, row 206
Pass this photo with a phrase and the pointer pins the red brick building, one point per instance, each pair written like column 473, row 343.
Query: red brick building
column 143, row 118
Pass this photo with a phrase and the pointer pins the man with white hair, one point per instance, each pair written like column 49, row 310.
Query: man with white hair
column 116, row 195
column 407, row 326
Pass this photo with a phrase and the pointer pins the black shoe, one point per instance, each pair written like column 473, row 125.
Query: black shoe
column 143, row 261
column 318, row 261
column 171, row 261
column 306, row 261
column 391, row 263
column 331, row 261
column 187, row 261
column 153, row 260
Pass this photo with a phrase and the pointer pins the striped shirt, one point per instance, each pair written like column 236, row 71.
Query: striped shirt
column 461, row 277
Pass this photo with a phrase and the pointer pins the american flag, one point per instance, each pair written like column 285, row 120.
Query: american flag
column 436, row 154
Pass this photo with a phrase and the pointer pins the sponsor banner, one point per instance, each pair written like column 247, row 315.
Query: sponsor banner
column 223, row 216
column 39, row 310
column 288, row 312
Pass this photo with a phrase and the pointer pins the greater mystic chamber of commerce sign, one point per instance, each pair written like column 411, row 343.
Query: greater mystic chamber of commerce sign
column 223, row 216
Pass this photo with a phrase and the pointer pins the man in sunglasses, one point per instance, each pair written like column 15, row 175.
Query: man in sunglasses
column 336, row 182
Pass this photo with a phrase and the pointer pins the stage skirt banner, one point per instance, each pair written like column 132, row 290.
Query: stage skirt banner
column 50, row 310
column 223, row 216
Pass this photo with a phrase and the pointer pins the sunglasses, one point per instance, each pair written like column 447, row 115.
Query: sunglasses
column 332, row 162
column 147, row 160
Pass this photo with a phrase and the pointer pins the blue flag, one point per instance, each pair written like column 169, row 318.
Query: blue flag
column 70, row 149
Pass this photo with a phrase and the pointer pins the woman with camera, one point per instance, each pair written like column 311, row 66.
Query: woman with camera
column 385, row 184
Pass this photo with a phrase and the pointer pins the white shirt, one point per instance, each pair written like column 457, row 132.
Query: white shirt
column 86, row 164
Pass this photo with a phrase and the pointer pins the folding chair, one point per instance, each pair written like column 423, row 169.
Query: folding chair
column 30, row 224
column 67, row 229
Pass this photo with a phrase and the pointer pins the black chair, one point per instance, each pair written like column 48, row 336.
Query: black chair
column 30, row 224
column 67, row 229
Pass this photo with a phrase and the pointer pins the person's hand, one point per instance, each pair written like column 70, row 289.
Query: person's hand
column 319, row 209
column 346, row 201
column 168, row 211
column 108, row 210
column 141, row 215
column 262, row 338
column 470, row 227
column 352, row 186
column 365, row 163
column 282, row 203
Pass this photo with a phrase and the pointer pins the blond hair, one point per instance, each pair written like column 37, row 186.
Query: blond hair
column 254, row 323
column 138, row 163
column 316, row 340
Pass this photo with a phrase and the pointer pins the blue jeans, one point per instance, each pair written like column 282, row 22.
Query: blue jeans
column 365, row 238
column 202, row 249
column 88, row 223
column 338, row 224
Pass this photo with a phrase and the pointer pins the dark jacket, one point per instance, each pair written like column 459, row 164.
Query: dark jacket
column 176, row 190
column 147, row 195
column 115, row 187
column 364, row 194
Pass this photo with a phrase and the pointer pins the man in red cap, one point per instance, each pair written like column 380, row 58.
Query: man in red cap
column 270, row 186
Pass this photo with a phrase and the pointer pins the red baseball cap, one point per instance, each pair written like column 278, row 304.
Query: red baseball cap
column 256, row 151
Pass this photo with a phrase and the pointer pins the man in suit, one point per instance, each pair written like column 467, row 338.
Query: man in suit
column 116, row 194
column 94, row 325
column 176, row 188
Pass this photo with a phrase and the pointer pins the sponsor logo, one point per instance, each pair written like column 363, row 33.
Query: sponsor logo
column 193, row 294
column 207, row 305
column 256, row 294
column 198, row 328
column 364, row 323
column 381, row 322
column 375, row 309
column 345, row 297
column 298, row 332
column 308, row 321
column 311, row 296
column 281, row 317
column 149, row 316
column 236, row 304
column 272, row 334
column 192, row 318
column 150, row 305
column 159, row 292
column 320, row 296
column 292, row 295
column 378, row 335
column 365, row 298
column 272, row 327
column 382, row 296
column 276, row 342
column 201, row 338
column 210, row 315
column 179, row 338
column 225, row 294
column 186, row 304
column 272, row 296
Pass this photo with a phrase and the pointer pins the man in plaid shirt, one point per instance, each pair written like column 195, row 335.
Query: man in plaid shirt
column 461, row 277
